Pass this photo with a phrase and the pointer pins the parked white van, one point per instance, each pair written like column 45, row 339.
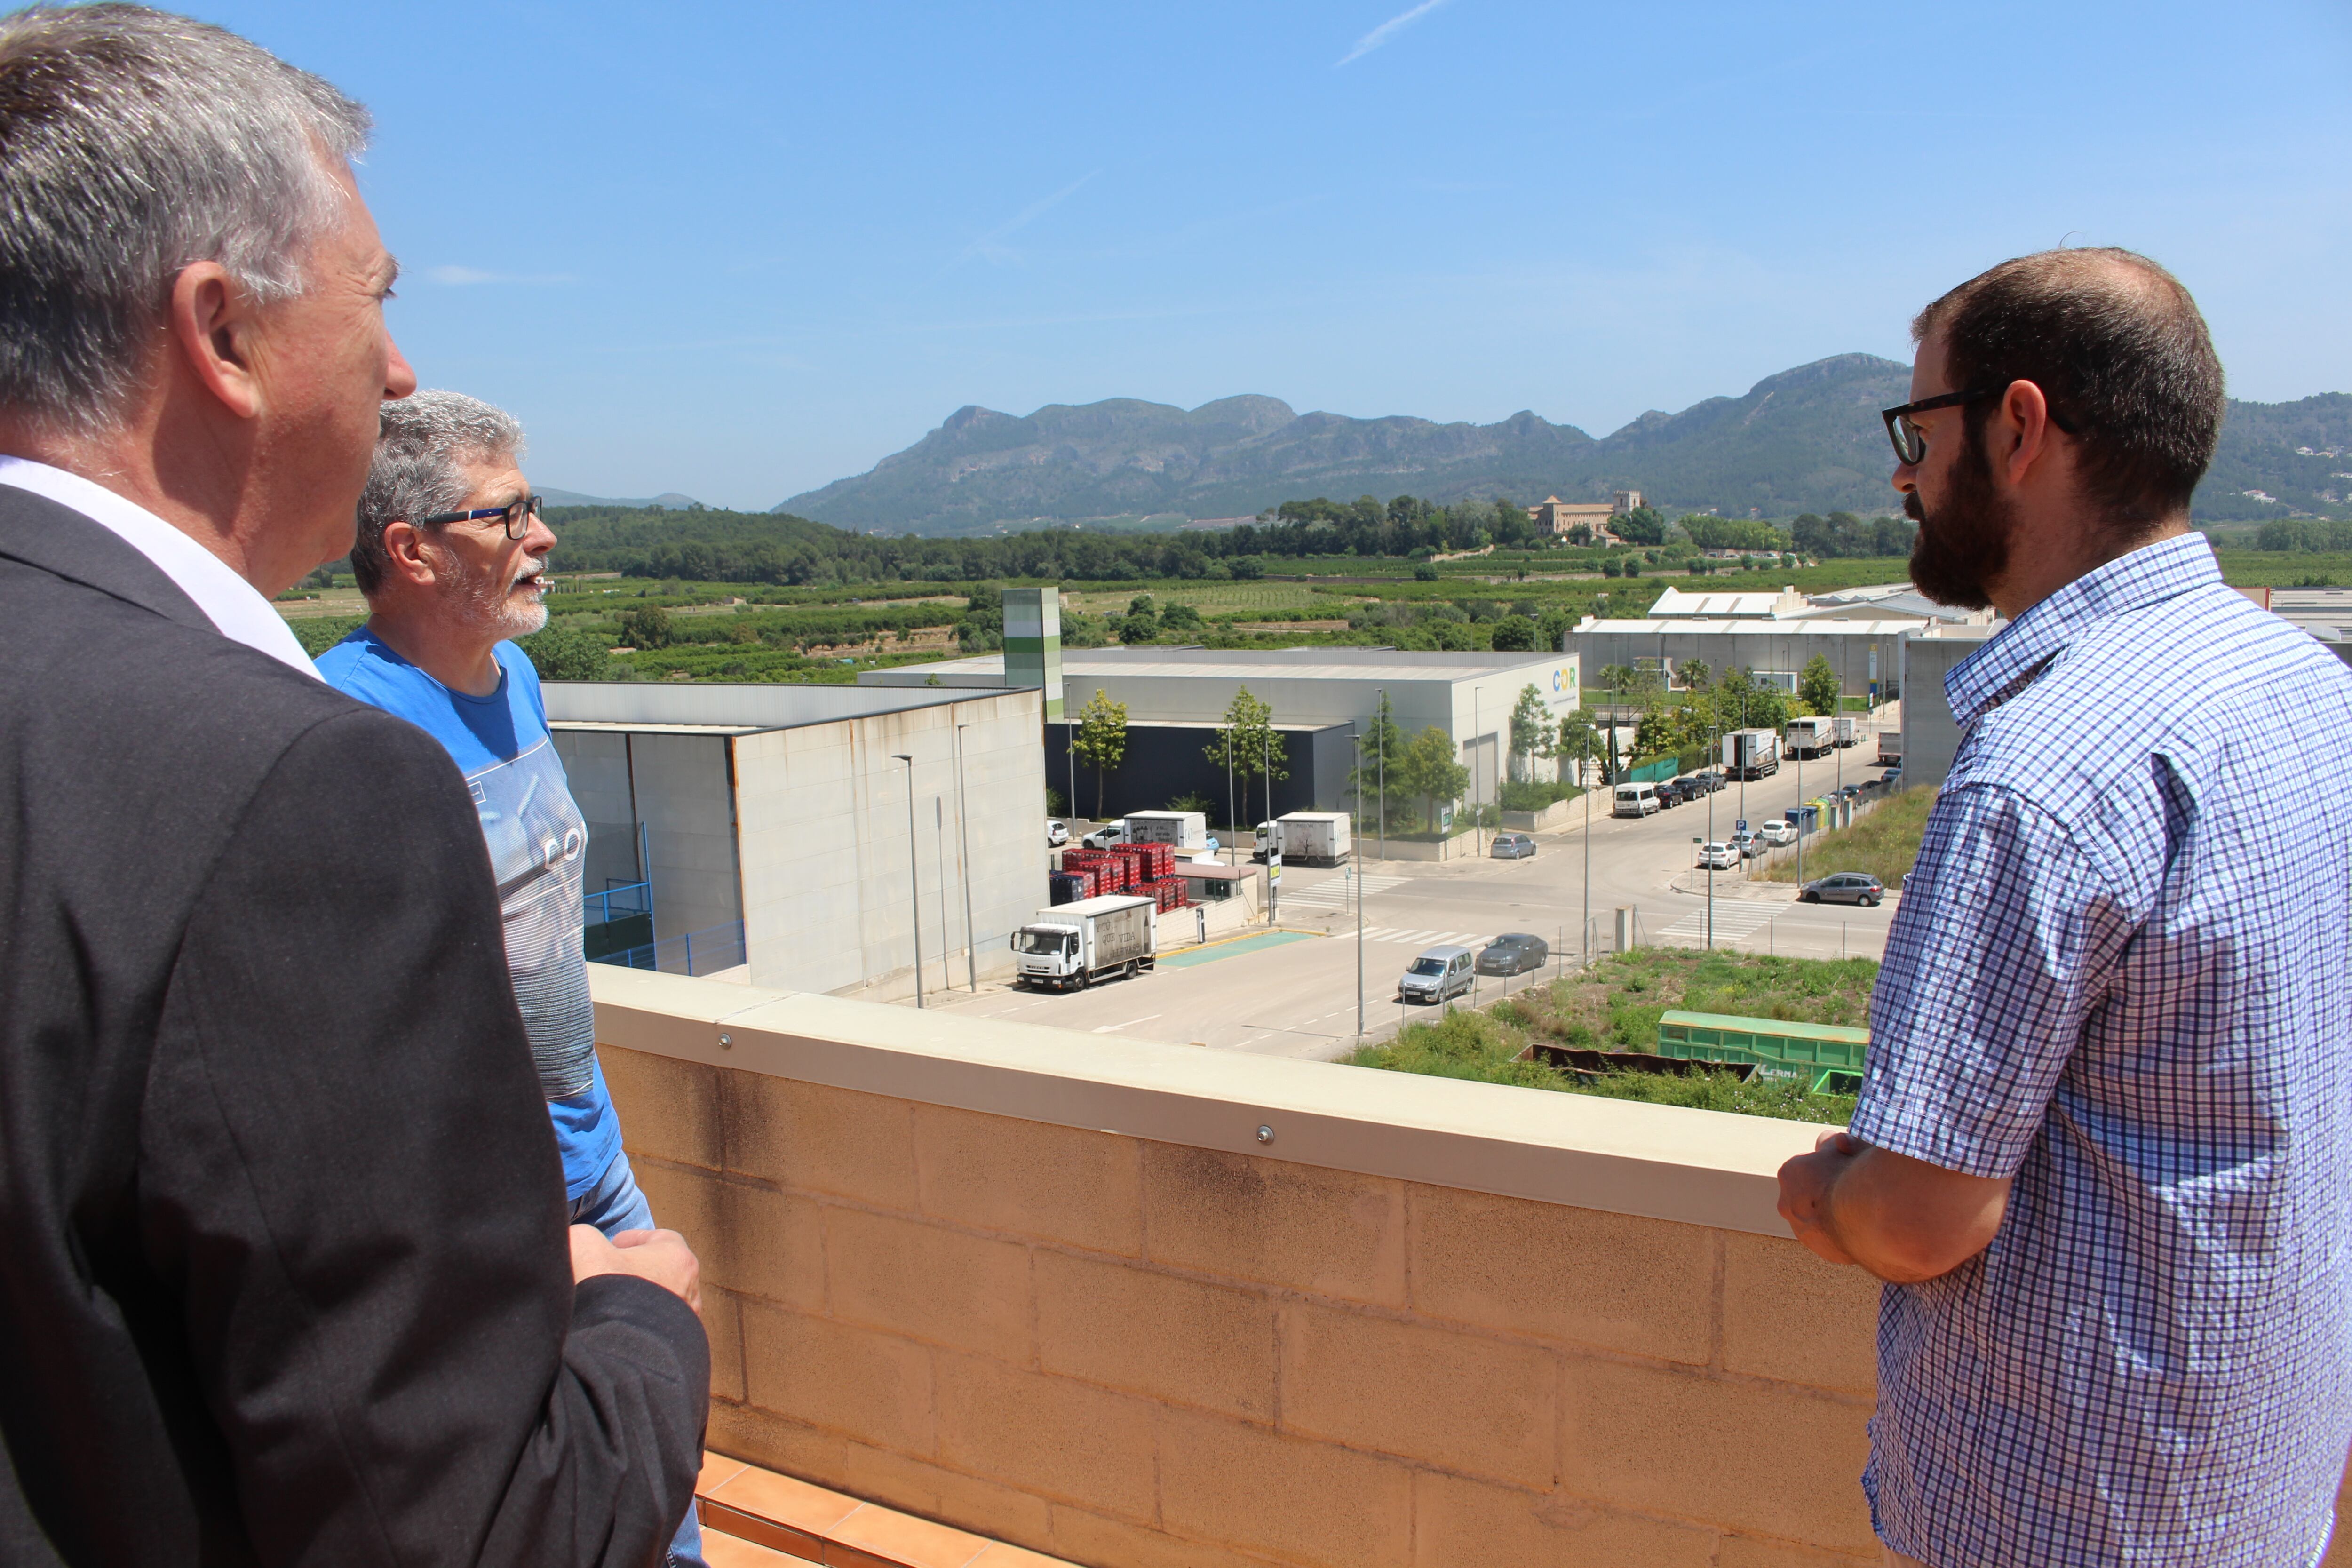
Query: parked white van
column 1636, row 800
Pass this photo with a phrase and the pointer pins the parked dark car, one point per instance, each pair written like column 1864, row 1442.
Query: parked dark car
column 1515, row 953
column 1708, row 779
column 1670, row 793
column 1845, row 888
column 1514, row 847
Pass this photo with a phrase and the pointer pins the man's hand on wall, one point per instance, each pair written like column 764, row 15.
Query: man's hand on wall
column 660, row 1256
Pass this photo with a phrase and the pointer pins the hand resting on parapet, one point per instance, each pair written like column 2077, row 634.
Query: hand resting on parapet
column 660, row 1256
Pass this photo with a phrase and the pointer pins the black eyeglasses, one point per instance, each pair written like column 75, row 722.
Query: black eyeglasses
column 517, row 515
column 1910, row 442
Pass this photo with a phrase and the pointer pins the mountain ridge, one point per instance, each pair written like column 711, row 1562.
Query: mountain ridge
column 1808, row 438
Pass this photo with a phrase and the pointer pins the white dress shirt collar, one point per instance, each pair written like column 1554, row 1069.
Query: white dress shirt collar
column 232, row 603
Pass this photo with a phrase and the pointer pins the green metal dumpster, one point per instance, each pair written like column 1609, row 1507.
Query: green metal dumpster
column 1828, row 1057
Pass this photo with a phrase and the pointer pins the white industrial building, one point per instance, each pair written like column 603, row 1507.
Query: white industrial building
column 1774, row 635
column 778, row 815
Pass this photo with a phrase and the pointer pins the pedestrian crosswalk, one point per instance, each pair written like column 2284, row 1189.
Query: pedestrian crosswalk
column 1403, row 937
column 1332, row 892
column 1735, row 920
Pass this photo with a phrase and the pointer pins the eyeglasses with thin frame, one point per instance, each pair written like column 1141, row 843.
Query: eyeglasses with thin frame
column 517, row 516
column 1910, row 442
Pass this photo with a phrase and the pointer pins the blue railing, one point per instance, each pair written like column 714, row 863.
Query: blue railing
column 618, row 902
column 695, row 953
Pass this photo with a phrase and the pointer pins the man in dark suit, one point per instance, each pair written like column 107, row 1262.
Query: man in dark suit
column 286, row 1277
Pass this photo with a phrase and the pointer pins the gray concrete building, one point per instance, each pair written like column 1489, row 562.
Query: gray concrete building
column 1931, row 736
column 786, row 808
column 1319, row 691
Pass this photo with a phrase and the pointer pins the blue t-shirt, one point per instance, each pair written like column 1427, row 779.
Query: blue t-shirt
column 537, row 840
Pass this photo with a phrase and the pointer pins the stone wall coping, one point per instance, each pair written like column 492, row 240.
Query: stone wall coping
column 1694, row 1167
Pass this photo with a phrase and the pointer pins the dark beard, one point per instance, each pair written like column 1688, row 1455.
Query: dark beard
column 1965, row 544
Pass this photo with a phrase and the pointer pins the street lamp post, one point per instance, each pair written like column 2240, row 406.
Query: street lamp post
column 940, row 848
column 1382, row 769
column 963, row 869
column 1584, row 776
column 914, row 874
column 1355, row 867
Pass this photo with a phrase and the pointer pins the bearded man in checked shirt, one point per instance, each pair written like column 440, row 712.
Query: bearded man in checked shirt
column 2103, row 1155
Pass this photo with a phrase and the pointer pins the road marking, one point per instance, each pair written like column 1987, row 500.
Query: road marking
column 1114, row 1029
column 1404, row 938
column 1235, row 949
column 1331, row 893
column 1733, row 923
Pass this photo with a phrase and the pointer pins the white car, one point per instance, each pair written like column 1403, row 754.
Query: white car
column 1058, row 833
column 1103, row 837
column 1718, row 857
column 1778, row 834
column 1745, row 841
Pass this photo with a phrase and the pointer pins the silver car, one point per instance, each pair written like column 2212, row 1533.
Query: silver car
column 1436, row 974
column 1845, row 888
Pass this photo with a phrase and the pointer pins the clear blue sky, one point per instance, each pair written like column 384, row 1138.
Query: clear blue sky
column 741, row 250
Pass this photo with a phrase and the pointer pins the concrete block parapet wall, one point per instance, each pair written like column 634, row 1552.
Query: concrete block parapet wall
column 1057, row 1292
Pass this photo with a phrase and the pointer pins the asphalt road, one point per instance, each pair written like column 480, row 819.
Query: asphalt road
column 1295, row 992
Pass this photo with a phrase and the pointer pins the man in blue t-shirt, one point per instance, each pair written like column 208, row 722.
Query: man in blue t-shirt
column 451, row 554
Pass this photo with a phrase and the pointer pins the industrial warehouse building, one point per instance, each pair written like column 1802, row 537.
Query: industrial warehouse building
column 770, row 824
column 1321, row 698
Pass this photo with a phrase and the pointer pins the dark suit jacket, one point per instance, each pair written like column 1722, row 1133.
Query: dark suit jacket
column 283, row 1269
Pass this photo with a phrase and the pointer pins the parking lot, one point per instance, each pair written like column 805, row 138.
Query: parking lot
column 1296, row 992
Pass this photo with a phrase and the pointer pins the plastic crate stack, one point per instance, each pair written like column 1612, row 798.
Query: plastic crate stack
column 1110, row 872
column 1069, row 887
column 1168, row 892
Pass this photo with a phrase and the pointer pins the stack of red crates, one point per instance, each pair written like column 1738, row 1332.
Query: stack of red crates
column 1168, row 892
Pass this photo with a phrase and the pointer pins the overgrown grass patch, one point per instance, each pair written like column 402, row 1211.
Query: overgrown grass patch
column 1885, row 843
column 1616, row 1005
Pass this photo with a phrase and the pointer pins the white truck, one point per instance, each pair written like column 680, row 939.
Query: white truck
column 1751, row 753
column 1185, row 829
column 1305, row 838
column 1890, row 748
column 1070, row 946
column 1849, row 730
column 1810, row 737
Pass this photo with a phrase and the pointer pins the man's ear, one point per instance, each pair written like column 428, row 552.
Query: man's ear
column 404, row 549
column 213, row 328
column 2023, row 430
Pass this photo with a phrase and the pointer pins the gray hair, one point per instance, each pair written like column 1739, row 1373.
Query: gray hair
column 427, row 439
column 133, row 143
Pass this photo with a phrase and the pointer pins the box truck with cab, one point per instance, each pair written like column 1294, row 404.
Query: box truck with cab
column 1070, row 946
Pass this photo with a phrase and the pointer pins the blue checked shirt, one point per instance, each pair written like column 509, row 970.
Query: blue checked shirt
column 2119, row 975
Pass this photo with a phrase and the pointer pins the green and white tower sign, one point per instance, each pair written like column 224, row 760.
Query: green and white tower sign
column 1033, row 644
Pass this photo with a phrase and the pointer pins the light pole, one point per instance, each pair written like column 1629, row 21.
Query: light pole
column 1584, row 775
column 1477, row 812
column 1383, row 772
column 1232, row 824
column 1356, row 858
column 913, row 875
column 963, row 869
column 939, row 847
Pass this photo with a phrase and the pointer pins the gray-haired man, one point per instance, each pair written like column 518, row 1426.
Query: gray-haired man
column 286, row 1281
column 452, row 556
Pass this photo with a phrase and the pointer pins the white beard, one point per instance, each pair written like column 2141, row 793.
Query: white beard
column 489, row 606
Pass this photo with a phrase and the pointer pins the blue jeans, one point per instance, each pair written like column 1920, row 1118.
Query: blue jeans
column 612, row 1206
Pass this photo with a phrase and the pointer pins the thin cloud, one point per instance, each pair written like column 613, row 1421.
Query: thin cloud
column 465, row 277
column 991, row 245
column 1386, row 31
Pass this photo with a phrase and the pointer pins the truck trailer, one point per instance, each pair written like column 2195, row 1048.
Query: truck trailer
column 1890, row 748
column 1849, row 730
column 1184, row 829
column 1810, row 737
column 1751, row 753
column 1305, row 838
column 1071, row 946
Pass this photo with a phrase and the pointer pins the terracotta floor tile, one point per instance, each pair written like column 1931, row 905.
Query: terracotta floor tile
column 729, row 1551
column 897, row 1538
column 803, row 1544
column 784, row 1500
column 718, row 1469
